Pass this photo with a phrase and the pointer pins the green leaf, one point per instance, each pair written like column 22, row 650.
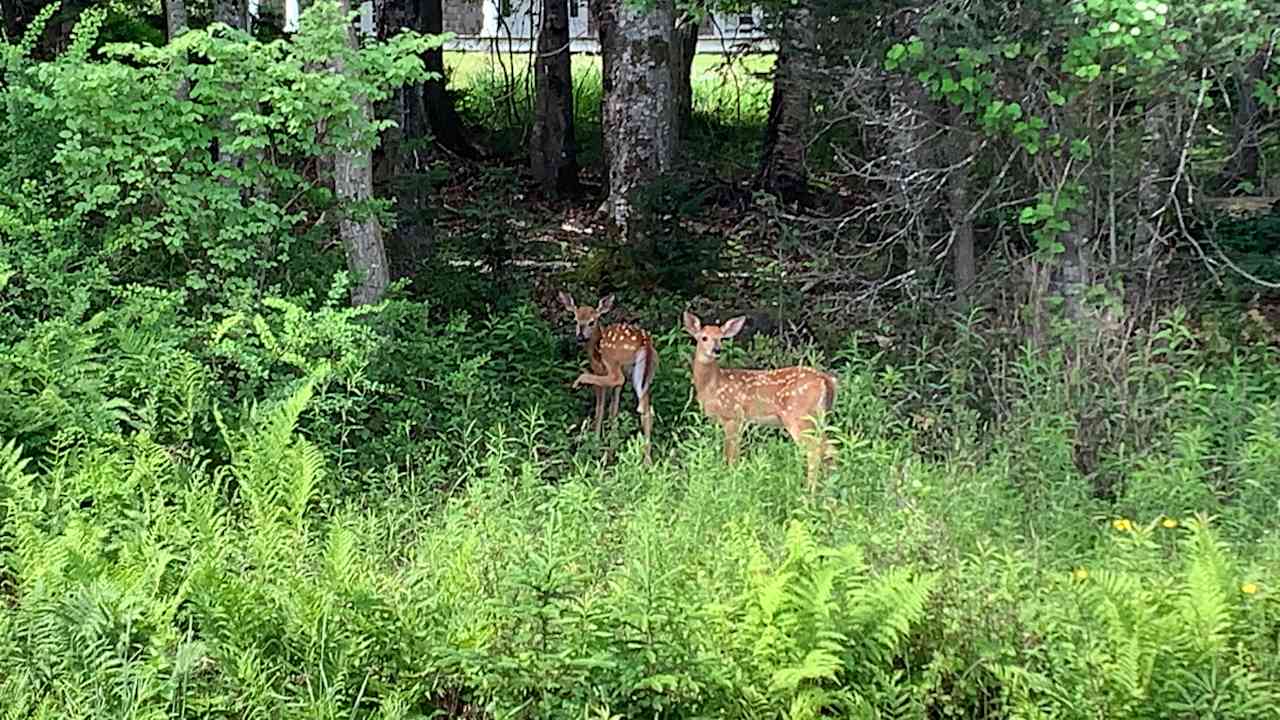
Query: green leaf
column 1088, row 72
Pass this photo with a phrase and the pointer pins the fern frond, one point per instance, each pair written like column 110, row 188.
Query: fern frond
column 816, row 665
column 1203, row 603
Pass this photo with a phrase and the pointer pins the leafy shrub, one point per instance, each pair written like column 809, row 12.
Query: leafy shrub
column 108, row 145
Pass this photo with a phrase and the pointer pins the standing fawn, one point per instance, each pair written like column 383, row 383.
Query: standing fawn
column 795, row 398
column 615, row 350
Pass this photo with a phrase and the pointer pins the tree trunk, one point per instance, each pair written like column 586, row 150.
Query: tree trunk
column 13, row 21
column 1071, row 271
column 790, row 110
column 912, row 169
column 1070, row 279
column 446, row 124
column 600, row 12
column 638, row 120
column 353, row 186
column 175, row 18
column 1155, row 152
column 401, row 157
column 959, row 199
column 553, row 152
column 1246, row 155
column 233, row 13
column 685, row 48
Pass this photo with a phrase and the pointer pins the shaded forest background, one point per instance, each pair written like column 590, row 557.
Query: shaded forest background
column 285, row 419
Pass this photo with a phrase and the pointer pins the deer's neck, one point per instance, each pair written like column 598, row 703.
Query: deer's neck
column 593, row 343
column 705, row 374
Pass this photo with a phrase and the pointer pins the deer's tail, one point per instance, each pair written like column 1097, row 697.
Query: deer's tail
column 643, row 371
column 829, row 391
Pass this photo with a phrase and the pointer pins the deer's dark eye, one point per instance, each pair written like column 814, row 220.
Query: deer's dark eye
column 704, row 338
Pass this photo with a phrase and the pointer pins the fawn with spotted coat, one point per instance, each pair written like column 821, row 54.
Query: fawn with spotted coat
column 614, row 352
column 795, row 398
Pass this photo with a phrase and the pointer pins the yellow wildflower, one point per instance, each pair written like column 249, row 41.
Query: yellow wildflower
column 1249, row 588
column 1080, row 574
column 1169, row 523
column 1122, row 524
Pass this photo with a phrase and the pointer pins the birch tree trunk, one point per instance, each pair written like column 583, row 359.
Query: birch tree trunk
column 553, row 152
column 353, row 186
column 639, row 121
column 791, row 107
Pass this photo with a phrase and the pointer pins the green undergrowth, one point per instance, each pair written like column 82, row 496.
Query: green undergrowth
column 225, row 493
column 204, row 543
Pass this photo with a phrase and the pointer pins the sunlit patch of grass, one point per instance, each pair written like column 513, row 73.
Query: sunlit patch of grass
column 732, row 89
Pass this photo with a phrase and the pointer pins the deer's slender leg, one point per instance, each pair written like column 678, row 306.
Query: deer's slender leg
column 732, row 436
column 617, row 397
column 610, row 379
column 802, row 430
column 646, row 425
column 599, row 393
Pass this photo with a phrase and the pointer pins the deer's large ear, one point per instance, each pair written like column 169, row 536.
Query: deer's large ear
column 567, row 301
column 734, row 326
column 605, row 304
column 692, row 324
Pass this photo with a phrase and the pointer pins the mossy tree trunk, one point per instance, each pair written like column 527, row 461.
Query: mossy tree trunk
column 639, row 111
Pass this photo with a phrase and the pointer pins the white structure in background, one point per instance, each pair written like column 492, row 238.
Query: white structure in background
column 512, row 25
column 366, row 19
column 291, row 13
column 519, row 19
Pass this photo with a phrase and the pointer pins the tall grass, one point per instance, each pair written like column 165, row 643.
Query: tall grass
column 140, row 579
